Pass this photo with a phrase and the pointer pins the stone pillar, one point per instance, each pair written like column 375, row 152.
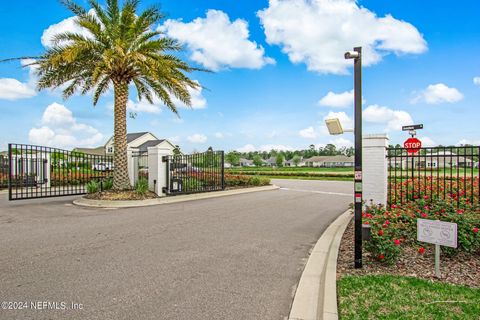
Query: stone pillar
column 157, row 169
column 375, row 171
column 132, row 166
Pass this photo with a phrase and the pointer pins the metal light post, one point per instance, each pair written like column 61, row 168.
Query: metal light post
column 356, row 54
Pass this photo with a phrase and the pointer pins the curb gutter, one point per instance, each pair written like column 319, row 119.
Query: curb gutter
column 166, row 200
column 316, row 295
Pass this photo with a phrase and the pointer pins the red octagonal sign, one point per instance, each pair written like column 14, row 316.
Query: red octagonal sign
column 412, row 145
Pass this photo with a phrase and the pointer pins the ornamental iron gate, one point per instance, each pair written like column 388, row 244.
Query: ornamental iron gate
column 444, row 173
column 194, row 173
column 41, row 172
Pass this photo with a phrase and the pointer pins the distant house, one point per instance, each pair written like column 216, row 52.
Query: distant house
column 139, row 142
column 272, row 162
column 441, row 159
column 291, row 163
column 246, row 163
column 330, row 161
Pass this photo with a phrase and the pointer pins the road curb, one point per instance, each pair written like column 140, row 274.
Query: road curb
column 166, row 200
column 316, row 294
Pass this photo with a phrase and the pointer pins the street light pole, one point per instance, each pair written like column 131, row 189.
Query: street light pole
column 356, row 54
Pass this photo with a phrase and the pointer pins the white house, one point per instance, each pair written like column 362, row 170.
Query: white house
column 139, row 142
column 441, row 159
column 329, row 161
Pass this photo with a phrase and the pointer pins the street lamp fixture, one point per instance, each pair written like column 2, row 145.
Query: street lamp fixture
column 334, row 126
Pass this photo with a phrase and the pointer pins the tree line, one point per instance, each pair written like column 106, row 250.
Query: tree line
column 280, row 156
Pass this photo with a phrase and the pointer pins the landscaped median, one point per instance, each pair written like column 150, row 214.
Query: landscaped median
column 141, row 197
column 398, row 280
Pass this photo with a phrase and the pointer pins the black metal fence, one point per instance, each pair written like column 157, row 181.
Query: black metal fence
column 194, row 173
column 3, row 172
column 445, row 173
column 140, row 160
column 39, row 172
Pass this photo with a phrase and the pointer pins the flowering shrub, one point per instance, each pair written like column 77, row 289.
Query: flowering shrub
column 292, row 173
column 431, row 188
column 234, row 180
column 395, row 228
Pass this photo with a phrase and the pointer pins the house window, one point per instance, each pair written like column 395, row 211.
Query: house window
column 110, row 149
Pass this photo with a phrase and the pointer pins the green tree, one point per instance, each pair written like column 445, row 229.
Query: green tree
column 296, row 160
column 257, row 160
column 233, row 158
column 122, row 49
column 279, row 160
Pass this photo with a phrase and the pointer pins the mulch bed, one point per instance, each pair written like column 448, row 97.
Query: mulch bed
column 463, row 269
column 120, row 195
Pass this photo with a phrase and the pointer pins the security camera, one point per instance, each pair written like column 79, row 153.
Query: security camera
column 352, row 55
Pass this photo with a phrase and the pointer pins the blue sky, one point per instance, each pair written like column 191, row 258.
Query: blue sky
column 279, row 72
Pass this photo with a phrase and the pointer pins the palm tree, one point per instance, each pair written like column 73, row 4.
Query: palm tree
column 122, row 49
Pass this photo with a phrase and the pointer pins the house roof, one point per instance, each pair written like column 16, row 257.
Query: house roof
column 151, row 143
column 243, row 160
column 338, row 158
column 134, row 136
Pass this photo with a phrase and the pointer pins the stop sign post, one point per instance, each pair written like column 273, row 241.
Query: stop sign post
column 412, row 145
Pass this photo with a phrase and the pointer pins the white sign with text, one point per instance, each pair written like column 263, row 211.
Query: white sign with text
column 437, row 232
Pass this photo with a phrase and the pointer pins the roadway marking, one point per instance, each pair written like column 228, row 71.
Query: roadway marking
column 320, row 192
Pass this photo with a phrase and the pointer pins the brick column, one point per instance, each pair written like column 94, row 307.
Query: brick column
column 375, row 171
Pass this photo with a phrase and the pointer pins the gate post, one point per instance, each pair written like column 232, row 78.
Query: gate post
column 157, row 169
column 375, row 170
column 132, row 163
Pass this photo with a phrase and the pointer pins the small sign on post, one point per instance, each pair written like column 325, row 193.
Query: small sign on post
column 412, row 127
column 439, row 233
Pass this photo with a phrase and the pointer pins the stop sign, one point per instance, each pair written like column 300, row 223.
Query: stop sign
column 412, row 145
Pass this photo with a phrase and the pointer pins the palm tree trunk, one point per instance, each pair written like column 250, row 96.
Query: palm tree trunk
column 121, row 180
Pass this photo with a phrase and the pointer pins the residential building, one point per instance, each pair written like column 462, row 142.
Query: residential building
column 330, row 161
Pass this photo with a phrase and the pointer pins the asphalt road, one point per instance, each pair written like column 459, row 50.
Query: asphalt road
column 236, row 257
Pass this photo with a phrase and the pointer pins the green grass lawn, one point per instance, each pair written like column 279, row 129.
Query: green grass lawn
column 395, row 297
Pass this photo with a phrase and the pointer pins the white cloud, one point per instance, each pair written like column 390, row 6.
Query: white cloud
column 145, row 106
column 266, row 147
column 197, row 100
column 66, row 25
column 342, row 142
column 427, row 142
column 217, row 43
column 472, row 142
column 476, row 81
column 60, row 129
column 345, row 120
column 219, row 135
column 308, row 133
column 438, row 93
column 12, row 89
column 337, row 100
column 197, row 138
column 278, row 147
column 247, row 148
column 318, row 32
column 394, row 119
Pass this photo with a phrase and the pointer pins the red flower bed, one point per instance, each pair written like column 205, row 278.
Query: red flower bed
column 434, row 188
column 394, row 228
